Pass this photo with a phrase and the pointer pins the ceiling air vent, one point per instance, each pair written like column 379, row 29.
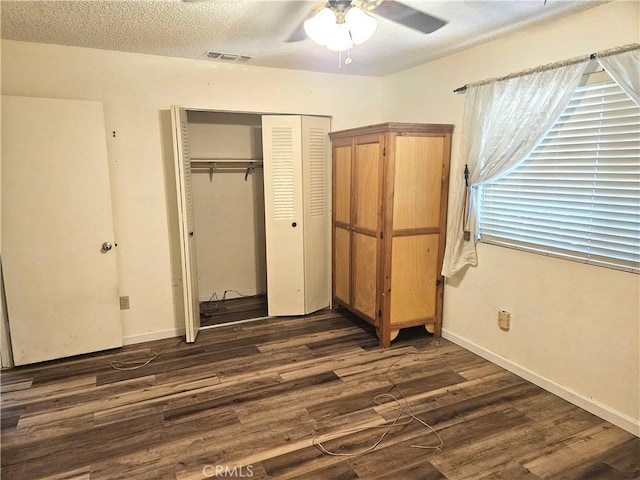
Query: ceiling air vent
column 228, row 57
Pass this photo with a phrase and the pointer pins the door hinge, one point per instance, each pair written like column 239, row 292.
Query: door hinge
column 379, row 313
column 381, row 235
column 384, row 151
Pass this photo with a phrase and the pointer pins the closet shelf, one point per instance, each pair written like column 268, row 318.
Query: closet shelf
column 226, row 163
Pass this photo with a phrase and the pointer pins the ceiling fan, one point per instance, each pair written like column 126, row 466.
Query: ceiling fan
column 390, row 9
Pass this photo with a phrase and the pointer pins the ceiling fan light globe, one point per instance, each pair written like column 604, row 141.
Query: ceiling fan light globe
column 319, row 28
column 361, row 25
column 340, row 38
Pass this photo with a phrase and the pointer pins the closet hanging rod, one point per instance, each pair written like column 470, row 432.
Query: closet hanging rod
column 220, row 165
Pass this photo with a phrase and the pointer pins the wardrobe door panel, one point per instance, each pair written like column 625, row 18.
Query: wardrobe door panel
column 342, row 184
column 417, row 182
column 367, row 186
column 414, row 272
column 365, row 274
column 342, row 265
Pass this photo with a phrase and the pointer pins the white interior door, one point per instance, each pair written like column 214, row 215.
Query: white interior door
column 296, row 157
column 186, row 222
column 61, row 285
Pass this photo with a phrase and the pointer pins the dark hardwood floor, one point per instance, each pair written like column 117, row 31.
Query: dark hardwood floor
column 232, row 310
column 248, row 400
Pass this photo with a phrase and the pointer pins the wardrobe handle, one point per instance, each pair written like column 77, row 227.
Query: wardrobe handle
column 294, row 224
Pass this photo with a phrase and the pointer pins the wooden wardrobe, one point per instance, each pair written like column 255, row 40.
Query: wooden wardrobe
column 390, row 185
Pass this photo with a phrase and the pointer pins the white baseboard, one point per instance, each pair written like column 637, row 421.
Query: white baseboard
column 150, row 336
column 603, row 411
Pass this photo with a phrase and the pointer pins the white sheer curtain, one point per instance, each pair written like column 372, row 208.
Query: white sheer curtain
column 503, row 121
column 624, row 68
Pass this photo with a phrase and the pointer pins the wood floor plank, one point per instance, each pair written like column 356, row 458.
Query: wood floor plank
column 352, row 357
column 591, row 471
column 275, row 362
column 577, row 450
column 506, row 471
column 306, row 339
column 49, row 431
column 254, row 395
column 47, row 457
column 172, row 364
column 22, row 385
column 624, row 458
column 338, row 471
column 263, row 394
column 79, row 474
column 421, row 471
column 107, row 404
column 230, row 310
column 310, row 463
column 80, row 393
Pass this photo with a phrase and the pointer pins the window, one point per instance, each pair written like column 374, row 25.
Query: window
column 577, row 195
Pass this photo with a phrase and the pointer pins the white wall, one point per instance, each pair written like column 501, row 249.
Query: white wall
column 229, row 211
column 574, row 327
column 136, row 91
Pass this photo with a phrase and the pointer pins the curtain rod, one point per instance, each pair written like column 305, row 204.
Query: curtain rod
column 551, row 66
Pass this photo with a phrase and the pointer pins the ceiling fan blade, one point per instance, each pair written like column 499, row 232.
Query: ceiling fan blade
column 298, row 34
column 409, row 16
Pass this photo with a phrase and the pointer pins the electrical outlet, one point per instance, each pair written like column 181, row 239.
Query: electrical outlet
column 504, row 319
column 124, row 303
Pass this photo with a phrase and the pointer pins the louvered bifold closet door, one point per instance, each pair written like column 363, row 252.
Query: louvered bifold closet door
column 297, row 218
column 186, row 222
column 316, row 151
column 577, row 196
column 284, row 221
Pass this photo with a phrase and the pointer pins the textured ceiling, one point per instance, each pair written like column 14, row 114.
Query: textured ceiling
column 259, row 29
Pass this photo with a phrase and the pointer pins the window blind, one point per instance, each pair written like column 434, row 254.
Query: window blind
column 577, row 195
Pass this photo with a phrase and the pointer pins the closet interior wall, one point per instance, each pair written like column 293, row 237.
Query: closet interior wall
column 228, row 205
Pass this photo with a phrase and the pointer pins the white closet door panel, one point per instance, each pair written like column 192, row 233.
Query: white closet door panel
column 317, row 218
column 284, row 222
column 186, row 222
column 61, row 286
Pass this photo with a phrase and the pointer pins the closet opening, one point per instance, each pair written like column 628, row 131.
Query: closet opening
column 228, row 205
column 253, row 196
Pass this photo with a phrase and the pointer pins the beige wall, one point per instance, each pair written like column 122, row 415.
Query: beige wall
column 229, row 211
column 574, row 327
column 136, row 91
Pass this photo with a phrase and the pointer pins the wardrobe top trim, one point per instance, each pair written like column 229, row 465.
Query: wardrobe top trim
column 393, row 127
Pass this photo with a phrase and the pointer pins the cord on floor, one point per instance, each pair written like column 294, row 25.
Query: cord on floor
column 135, row 364
column 403, row 410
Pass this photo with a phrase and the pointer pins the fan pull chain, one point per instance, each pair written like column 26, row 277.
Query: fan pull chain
column 348, row 60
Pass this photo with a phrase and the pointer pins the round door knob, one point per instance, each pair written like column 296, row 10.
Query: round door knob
column 294, row 224
column 106, row 246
